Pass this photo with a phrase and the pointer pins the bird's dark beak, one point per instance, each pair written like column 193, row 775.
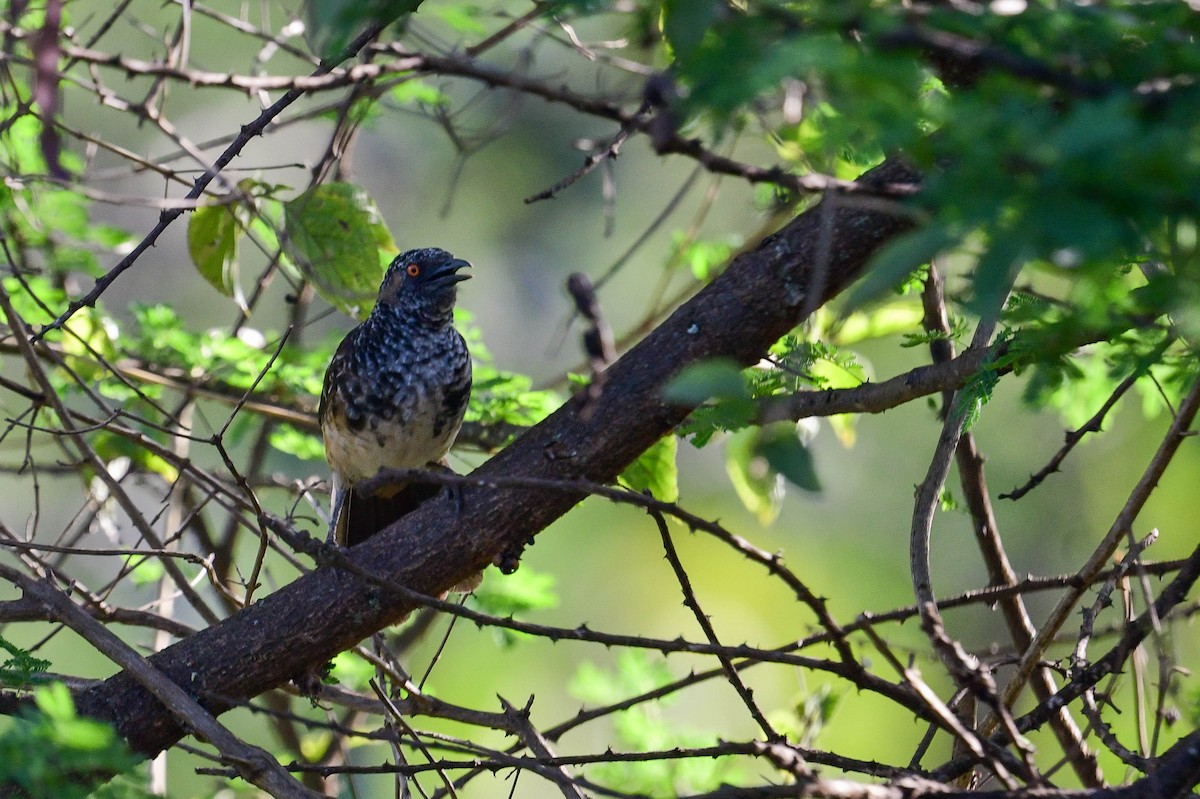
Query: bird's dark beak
column 448, row 273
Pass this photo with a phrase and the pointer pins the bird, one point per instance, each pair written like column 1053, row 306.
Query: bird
column 395, row 393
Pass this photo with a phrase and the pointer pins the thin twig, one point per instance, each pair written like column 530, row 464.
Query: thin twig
column 693, row 604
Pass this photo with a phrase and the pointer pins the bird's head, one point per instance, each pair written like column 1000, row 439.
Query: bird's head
column 422, row 284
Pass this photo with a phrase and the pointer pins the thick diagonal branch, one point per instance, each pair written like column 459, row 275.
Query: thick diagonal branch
column 742, row 312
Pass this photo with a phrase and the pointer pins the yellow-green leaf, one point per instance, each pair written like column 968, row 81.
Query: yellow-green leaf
column 656, row 471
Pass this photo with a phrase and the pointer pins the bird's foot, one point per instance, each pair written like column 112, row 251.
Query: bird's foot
column 509, row 560
column 455, row 492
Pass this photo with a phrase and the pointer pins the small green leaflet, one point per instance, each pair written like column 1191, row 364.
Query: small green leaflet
column 21, row 668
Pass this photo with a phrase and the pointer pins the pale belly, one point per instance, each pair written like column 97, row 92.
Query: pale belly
column 360, row 454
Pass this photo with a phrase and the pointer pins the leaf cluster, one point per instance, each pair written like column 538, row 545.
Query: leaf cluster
column 45, row 223
column 50, row 751
column 1092, row 153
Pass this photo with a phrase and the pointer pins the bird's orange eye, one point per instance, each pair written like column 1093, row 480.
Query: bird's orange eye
column 413, row 270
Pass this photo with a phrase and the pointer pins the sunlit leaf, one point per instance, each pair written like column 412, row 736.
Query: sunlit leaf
column 522, row 591
column 314, row 745
column 54, row 700
column 304, row 445
column 352, row 671
column 417, row 92
column 655, row 470
column 887, row 319
column 463, row 18
column 338, row 240
column 145, row 569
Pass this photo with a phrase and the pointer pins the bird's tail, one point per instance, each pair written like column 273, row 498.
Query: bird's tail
column 363, row 515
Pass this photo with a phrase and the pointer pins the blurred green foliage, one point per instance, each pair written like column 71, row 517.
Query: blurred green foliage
column 1086, row 178
column 49, row 751
column 644, row 728
column 50, row 220
column 513, row 595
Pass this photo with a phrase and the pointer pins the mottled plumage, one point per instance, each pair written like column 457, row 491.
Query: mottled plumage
column 397, row 387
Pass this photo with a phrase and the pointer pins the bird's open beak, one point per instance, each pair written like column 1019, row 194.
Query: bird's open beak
column 449, row 273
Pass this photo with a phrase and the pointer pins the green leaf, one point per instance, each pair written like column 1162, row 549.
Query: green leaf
column 19, row 670
column 352, row 671
column 417, row 92
column 708, row 420
column 656, row 471
column 759, row 487
column 54, row 700
column 83, row 735
column 804, row 721
column 701, row 256
column 786, row 454
column 52, row 752
column 970, row 399
column 685, row 23
column 508, row 397
column 637, row 672
column 896, row 261
column 212, row 236
column 337, row 238
column 719, row 378
column 110, row 446
column 315, row 744
column 513, row 594
column 995, row 272
column 644, row 728
column 462, row 18
column 887, row 319
column 333, row 23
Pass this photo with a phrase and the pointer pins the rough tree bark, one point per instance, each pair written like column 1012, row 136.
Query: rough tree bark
column 759, row 298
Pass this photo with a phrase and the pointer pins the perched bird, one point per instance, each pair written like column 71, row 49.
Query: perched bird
column 395, row 392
